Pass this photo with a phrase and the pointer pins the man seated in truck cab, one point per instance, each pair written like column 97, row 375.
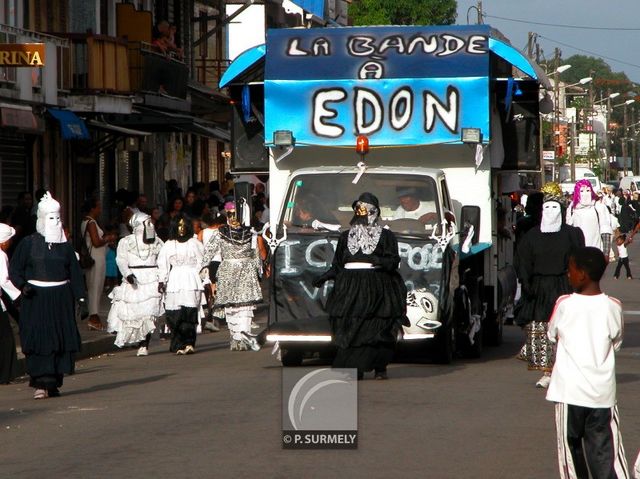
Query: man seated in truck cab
column 307, row 210
column 414, row 205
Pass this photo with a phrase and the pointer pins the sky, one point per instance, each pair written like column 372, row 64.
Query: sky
column 618, row 47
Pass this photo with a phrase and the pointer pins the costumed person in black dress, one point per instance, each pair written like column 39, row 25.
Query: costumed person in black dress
column 232, row 263
column 542, row 262
column 368, row 303
column 44, row 266
column 8, row 358
column 179, row 263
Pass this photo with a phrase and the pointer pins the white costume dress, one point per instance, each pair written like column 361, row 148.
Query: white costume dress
column 135, row 307
column 179, row 268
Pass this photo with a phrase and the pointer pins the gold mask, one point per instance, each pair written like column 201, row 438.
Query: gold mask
column 182, row 227
column 361, row 210
column 232, row 219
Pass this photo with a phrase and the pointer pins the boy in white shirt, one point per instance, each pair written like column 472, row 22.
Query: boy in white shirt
column 587, row 326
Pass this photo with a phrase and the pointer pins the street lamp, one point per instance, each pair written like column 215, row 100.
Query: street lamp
column 571, row 128
column 608, row 108
column 556, row 116
column 582, row 81
column 624, row 136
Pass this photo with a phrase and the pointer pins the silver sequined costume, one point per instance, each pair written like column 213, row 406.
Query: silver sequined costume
column 238, row 288
column 237, row 276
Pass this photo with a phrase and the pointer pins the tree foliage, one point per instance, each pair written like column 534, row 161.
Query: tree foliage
column 603, row 77
column 403, row 12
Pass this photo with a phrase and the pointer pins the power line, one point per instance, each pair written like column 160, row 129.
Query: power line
column 560, row 25
column 589, row 52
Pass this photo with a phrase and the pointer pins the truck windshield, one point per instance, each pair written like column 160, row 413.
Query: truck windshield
column 408, row 203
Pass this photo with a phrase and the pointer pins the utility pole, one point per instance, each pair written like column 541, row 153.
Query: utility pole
column 572, row 151
column 607, row 148
column 556, row 114
column 479, row 9
column 624, row 141
column 634, row 150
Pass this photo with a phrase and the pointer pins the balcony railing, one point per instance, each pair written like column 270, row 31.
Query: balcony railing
column 152, row 71
column 8, row 75
column 100, row 63
column 209, row 71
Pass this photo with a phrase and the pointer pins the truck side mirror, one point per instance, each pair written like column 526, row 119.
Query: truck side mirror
column 470, row 217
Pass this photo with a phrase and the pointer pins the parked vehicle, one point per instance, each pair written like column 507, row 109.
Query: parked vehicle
column 631, row 183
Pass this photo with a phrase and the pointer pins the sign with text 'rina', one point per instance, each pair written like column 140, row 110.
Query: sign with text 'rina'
column 22, row 54
column 397, row 85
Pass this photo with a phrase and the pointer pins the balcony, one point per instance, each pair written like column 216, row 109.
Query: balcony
column 155, row 72
column 208, row 71
column 100, row 64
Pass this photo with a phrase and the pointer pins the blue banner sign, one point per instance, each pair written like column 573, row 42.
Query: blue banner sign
column 397, row 85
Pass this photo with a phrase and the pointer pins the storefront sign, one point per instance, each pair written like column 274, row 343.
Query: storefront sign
column 22, row 54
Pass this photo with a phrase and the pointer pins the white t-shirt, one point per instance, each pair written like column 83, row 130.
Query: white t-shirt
column 424, row 208
column 622, row 251
column 588, row 330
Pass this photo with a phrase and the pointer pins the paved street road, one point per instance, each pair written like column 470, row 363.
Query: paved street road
column 216, row 414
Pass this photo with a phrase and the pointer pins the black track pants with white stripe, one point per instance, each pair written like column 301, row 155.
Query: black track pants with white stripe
column 590, row 440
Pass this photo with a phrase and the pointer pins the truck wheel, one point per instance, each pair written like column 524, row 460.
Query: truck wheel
column 446, row 345
column 291, row 358
column 493, row 329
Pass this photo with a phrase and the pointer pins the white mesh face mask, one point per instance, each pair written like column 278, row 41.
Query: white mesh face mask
column 551, row 217
column 585, row 196
column 48, row 222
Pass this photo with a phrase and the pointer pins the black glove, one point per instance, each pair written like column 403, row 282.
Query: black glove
column 83, row 308
column 161, row 288
column 131, row 279
column 27, row 291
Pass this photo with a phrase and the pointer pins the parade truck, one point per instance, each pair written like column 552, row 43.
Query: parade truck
column 437, row 117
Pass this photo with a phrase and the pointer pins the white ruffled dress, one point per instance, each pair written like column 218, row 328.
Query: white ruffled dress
column 135, row 307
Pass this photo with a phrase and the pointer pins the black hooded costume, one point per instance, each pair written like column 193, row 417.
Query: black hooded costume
column 367, row 305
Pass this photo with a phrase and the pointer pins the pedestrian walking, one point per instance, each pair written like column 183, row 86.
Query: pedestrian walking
column 587, row 327
column 367, row 305
column 541, row 263
column 623, row 256
column 45, row 268
column 136, row 303
column 179, row 264
column 8, row 358
column 232, row 261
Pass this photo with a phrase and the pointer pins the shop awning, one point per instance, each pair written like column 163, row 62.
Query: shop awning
column 72, row 127
column 248, row 61
column 117, row 129
column 209, row 131
column 20, row 117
